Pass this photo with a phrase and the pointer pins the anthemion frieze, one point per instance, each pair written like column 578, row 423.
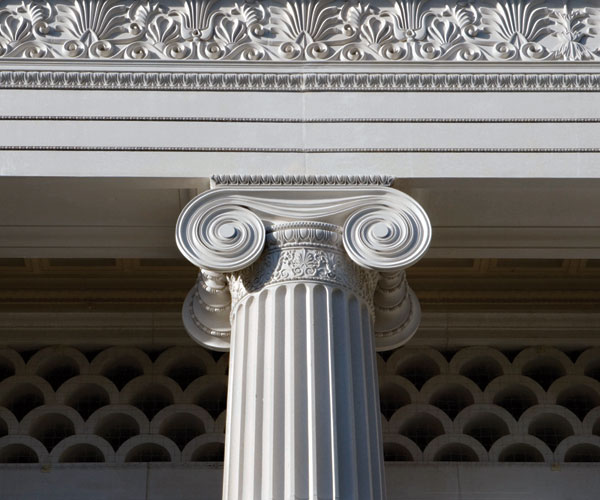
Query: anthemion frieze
column 300, row 30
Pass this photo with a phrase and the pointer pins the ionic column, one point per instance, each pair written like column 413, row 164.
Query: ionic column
column 302, row 282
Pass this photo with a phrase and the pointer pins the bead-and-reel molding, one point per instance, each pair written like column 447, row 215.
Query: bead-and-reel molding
column 122, row 404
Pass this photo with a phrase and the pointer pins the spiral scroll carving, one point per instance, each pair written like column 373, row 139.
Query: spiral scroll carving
column 220, row 237
column 386, row 239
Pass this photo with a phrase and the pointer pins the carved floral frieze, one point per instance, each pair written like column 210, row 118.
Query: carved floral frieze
column 300, row 30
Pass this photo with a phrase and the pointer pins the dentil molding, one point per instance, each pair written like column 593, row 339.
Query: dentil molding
column 252, row 232
column 300, row 30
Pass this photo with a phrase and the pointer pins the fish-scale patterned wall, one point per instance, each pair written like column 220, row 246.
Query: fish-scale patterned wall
column 480, row 404
column 118, row 405
column 123, row 404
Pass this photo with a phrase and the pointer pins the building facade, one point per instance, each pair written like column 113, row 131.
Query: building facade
column 387, row 210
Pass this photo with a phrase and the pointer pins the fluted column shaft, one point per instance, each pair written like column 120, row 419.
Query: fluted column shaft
column 303, row 405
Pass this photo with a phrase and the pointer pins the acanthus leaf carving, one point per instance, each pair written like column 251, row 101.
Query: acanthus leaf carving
column 572, row 29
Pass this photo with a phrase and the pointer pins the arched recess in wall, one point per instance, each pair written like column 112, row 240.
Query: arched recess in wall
column 83, row 449
column 117, row 423
column 185, row 365
column 486, row 423
column 417, row 364
column 578, row 393
column 514, row 393
column 21, row 394
column 550, row 423
column 398, row 448
column 520, row 448
column 450, row 393
column 182, row 423
column 420, row 423
column 22, row 450
column 205, row 448
column 148, row 448
column 87, row 393
column 394, row 393
column 584, row 448
column 151, row 393
column 588, row 363
column 480, row 364
column 57, row 364
column 545, row 365
column 121, row 365
column 455, row 448
column 51, row 424
column 210, row 393
column 11, row 363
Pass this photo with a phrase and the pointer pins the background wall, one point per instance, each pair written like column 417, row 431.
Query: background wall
column 497, row 396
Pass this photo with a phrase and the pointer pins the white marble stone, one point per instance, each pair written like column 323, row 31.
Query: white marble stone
column 316, row 283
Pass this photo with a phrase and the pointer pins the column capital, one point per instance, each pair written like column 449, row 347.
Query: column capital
column 342, row 222
column 223, row 229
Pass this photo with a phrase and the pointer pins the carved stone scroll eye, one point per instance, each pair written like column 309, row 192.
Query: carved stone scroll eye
column 387, row 238
column 220, row 237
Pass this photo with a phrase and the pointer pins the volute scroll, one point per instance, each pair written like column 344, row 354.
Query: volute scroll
column 220, row 237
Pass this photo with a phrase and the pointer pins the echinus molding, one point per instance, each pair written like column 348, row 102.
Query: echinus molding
column 300, row 30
